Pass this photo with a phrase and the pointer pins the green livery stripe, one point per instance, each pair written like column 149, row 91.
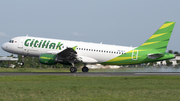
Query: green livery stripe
column 160, row 38
column 154, row 36
column 149, row 43
column 166, row 24
column 156, row 44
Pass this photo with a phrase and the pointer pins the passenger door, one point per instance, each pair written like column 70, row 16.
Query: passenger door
column 20, row 44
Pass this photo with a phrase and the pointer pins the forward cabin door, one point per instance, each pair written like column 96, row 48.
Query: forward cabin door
column 134, row 54
column 20, row 45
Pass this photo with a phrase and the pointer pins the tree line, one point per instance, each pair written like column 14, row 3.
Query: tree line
column 31, row 62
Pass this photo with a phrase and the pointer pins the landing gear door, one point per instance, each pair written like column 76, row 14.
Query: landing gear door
column 20, row 44
column 134, row 54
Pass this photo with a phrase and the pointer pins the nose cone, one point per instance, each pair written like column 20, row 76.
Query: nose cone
column 4, row 46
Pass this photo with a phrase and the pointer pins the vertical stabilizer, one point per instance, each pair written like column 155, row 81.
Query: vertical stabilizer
column 159, row 40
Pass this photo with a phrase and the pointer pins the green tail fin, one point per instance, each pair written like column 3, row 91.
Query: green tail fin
column 159, row 40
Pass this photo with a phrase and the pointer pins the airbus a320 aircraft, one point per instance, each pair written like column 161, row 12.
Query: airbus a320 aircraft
column 52, row 51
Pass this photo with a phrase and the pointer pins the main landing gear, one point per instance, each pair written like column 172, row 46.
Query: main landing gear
column 85, row 69
column 74, row 69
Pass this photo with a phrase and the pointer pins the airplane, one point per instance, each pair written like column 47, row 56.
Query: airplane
column 53, row 51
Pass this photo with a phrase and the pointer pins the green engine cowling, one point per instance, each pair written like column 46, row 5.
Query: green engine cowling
column 48, row 59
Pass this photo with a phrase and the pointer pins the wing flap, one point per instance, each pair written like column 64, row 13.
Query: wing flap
column 69, row 54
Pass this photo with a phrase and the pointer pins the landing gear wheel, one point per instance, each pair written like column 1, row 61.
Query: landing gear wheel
column 22, row 63
column 85, row 69
column 73, row 69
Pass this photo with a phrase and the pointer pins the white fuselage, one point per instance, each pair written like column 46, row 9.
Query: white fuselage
column 34, row 46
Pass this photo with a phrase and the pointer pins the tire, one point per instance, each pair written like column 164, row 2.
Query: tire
column 73, row 69
column 85, row 69
column 22, row 63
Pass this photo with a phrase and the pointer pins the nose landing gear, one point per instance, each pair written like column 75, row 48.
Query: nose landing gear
column 22, row 61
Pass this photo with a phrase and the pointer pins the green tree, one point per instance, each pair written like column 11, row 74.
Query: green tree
column 176, row 52
column 170, row 51
column 168, row 63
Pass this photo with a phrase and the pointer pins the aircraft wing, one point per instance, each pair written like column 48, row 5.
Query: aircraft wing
column 69, row 54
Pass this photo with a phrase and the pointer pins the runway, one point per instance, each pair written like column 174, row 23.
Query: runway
column 91, row 74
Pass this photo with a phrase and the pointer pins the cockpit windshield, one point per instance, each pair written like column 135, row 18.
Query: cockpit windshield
column 11, row 41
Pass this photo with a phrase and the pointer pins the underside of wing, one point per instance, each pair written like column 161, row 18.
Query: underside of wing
column 68, row 55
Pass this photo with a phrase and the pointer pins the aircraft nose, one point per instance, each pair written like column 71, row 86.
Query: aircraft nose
column 4, row 46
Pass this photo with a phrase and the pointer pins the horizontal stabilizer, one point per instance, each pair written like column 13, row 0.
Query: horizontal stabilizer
column 155, row 56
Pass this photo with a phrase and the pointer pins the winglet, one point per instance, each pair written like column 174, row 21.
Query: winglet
column 74, row 48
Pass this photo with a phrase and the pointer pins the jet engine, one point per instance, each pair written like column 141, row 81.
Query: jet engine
column 48, row 59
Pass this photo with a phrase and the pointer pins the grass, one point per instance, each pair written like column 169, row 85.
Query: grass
column 72, row 88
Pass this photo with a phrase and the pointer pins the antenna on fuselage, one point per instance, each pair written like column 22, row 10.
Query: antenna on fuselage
column 27, row 35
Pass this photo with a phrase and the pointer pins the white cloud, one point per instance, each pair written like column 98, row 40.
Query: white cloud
column 3, row 34
column 77, row 34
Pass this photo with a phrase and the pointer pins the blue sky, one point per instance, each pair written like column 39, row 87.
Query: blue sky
column 119, row 22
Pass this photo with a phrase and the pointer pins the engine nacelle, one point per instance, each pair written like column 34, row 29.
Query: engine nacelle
column 48, row 59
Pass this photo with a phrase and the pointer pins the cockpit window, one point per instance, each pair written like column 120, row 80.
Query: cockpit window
column 11, row 41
